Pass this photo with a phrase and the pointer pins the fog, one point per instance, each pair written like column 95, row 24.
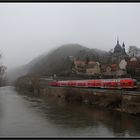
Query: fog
column 29, row 29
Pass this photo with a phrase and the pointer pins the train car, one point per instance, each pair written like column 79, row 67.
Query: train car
column 111, row 83
column 122, row 83
column 72, row 83
column 128, row 83
column 81, row 83
column 62, row 83
column 54, row 83
column 94, row 83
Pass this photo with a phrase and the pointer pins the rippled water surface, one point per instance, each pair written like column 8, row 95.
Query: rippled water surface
column 22, row 115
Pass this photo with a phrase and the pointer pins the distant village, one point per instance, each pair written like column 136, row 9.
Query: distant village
column 121, row 64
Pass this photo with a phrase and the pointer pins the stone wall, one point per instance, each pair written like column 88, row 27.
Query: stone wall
column 113, row 100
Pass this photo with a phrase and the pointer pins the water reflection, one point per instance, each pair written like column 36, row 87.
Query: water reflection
column 89, row 120
column 22, row 115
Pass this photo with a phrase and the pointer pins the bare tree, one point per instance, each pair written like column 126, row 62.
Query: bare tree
column 134, row 51
column 2, row 73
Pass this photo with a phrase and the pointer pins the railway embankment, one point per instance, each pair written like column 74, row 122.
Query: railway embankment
column 110, row 99
column 119, row 100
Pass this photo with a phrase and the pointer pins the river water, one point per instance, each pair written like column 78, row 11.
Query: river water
column 26, row 116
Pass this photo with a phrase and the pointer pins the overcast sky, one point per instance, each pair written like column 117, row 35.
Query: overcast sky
column 30, row 29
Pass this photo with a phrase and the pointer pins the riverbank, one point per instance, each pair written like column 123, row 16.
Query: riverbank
column 109, row 99
column 118, row 100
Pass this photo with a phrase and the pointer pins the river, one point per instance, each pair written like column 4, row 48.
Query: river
column 27, row 116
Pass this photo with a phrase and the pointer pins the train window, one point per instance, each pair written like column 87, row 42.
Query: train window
column 123, row 83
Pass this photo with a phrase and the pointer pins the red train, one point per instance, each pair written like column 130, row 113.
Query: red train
column 122, row 83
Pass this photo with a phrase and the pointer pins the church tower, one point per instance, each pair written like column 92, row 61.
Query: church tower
column 119, row 53
column 123, row 49
column 117, row 48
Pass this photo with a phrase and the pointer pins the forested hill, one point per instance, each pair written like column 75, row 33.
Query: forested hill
column 58, row 62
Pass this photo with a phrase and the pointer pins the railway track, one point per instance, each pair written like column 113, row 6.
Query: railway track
column 123, row 91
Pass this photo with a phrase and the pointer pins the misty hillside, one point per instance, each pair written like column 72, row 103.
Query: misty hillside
column 58, row 62
column 14, row 73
